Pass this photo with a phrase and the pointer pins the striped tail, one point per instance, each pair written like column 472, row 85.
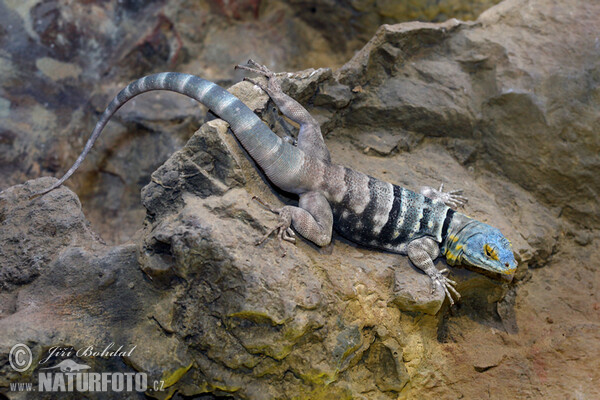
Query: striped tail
column 280, row 160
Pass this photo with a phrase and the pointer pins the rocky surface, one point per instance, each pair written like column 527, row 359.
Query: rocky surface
column 502, row 107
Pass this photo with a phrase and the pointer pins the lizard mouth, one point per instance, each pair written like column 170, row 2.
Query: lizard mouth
column 505, row 276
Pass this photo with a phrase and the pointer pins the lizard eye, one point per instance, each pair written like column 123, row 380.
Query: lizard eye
column 490, row 252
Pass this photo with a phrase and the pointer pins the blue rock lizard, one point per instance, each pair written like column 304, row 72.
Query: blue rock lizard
column 364, row 209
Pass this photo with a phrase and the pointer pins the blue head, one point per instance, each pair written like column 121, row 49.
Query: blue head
column 482, row 248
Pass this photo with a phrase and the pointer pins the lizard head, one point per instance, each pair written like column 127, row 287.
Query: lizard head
column 483, row 249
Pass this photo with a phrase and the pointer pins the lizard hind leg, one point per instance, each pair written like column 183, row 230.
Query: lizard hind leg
column 310, row 138
column 453, row 198
column 312, row 219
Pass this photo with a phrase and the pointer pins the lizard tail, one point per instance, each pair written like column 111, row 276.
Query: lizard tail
column 278, row 159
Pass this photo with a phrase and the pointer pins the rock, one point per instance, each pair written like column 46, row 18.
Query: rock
column 485, row 363
column 506, row 311
column 379, row 143
column 583, row 238
column 52, row 223
column 79, row 292
column 386, row 143
column 333, row 94
column 412, row 292
column 302, row 85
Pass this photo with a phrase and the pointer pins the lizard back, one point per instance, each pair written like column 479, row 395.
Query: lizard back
column 378, row 214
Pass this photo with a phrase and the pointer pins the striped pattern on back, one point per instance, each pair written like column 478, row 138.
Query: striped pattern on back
column 389, row 217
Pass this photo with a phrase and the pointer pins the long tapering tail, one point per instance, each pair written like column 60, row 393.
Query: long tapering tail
column 265, row 147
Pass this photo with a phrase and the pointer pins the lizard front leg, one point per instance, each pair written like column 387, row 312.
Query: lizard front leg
column 312, row 219
column 452, row 199
column 310, row 138
column 422, row 252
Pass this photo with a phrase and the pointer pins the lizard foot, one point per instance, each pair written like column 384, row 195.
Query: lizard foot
column 452, row 198
column 283, row 228
column 439, row 279
column 272, row 85
column 257, row 68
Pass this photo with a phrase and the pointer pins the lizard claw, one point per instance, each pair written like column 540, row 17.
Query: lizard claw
column 271, row 87
column 453, row 198
column 257, row 68
column 446, row 284
column 283, row 229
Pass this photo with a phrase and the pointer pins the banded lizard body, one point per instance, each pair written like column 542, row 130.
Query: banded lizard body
column 364, row 209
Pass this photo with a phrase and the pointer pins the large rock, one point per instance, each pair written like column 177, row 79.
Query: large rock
column 78, row 292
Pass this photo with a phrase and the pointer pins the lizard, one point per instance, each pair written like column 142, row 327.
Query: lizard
column 364, row 209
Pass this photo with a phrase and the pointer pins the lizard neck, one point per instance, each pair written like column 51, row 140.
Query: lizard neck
column 460, row 228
